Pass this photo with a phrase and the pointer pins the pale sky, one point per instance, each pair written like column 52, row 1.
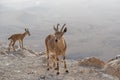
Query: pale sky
column 66, row 6
column 93, row 25
column 20, row 4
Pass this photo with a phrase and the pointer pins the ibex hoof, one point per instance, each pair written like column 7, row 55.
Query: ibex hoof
column 67, row 71
column 48, row 69
column 58, row 73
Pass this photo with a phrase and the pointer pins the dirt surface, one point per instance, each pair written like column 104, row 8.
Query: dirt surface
column 30, row 65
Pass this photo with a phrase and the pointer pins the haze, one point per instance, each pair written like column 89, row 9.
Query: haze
column 93, row 25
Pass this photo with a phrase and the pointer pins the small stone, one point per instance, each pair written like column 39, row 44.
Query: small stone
column 42, row 77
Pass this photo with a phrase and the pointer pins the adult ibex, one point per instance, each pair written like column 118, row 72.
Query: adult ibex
column 17, row 37
column 55, row 44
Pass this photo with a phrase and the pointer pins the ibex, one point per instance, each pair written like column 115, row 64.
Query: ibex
column 56, row 44
column 17, row 37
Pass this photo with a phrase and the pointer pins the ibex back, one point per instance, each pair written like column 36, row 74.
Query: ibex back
column 17, row 37
column 56, row 44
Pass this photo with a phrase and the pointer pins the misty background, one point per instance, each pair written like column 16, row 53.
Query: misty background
column 93, row 25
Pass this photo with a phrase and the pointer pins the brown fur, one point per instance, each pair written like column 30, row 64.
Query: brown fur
column 56, row 44
column 17, row 37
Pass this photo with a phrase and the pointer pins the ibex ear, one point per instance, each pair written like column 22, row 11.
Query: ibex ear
column 25, row 29
column 62, row 27
column 65, row 30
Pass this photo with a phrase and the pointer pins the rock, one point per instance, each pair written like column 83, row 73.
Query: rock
column 1, row 73
column 113, row 68
column 42, row 77
column 117, row 57
column 26, row 65
column 92, row 62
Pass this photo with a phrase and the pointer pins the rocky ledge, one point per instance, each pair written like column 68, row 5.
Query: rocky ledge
column 31, row 65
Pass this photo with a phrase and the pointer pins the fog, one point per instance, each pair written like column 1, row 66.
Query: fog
column 93, row 25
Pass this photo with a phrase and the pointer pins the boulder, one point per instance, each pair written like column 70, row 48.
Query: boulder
column 92, row 62
column 113, row 67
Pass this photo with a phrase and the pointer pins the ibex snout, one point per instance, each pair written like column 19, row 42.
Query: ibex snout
column 29, row 34
column 58, row 37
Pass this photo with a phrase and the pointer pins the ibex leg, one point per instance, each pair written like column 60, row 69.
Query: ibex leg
column 13, row 45
column 57, row 65
column 10, row 45
column 65, row 64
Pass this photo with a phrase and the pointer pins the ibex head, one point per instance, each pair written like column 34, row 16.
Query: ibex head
column 27, row 31
column 58, row 34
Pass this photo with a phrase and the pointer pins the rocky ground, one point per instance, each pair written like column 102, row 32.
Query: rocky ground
column 30, row 65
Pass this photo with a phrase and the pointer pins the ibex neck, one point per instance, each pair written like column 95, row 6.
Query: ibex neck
column 24, row 34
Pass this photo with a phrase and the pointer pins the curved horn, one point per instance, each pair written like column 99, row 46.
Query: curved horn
column 62, row 27
column 57, row 26
column 54, row 28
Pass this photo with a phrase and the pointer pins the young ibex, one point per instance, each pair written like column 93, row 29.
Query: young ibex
column 55, row 44
column 17, row 37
